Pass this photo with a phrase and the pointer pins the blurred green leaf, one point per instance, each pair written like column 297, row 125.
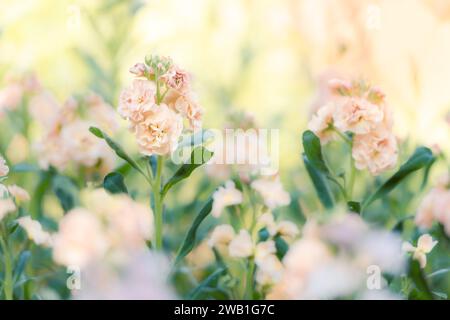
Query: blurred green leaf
column 417, row 276
column 189, row 241
column 281, row 246
column 313, row 151
column 320, row 184
column 354, row 206
column 66, row 192
column 263, row 234
column 421, row 158
column 206, row 283
column 114, row 183
column 199, row 156
column 21, row 263
column 117, row 148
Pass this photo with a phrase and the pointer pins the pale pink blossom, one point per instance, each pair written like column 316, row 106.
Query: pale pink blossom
column 424, row 246
column 51, row 151
column 269, row 270
column 263, row 250
column 10, row 97
column 241, row 246
column 188, row 106
column 102, row 113
column 6, row 206
column 159, row 132
column 357, row 115
column 376, row 151
column 272, row 192
column 35, row 232
column 435, row 206
column 137, row 101
column 139, row 69
column 225, row 196
column 221, row 235
column 18, row 193
column 4, row 169
column 45, row 109
column 177, row 79
column 321, row 123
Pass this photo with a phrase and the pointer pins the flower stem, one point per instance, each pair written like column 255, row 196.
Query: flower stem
column 249, row 280
column 8, row 275
column 158, row 205
column 351, row 179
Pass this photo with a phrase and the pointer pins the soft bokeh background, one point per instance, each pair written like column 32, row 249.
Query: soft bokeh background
column 265, row 56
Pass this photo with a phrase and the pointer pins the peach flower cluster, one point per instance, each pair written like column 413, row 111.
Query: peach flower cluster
column 361, row 110
column 333, row 260
column 14, row 90
column 156, row 103
column 435, row 206
column 243, row 244
column 66, row 138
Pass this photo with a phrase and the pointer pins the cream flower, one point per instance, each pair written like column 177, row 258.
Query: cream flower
column 35, row 232
column 80, row 239
column 321, row 123
column 6, row 206
column 272, row 192
column 159, row 132
column 267, row 221
column 51, row 151
column 19, row 193
column 102, row 113
column 424, row 246
column 287, row 229
column 45, row 109
column 263, row 250
column 269, row 271
column 224, row 197
column 241, row 246
column 357, row 115
column 139, row 69
column 177, row 79
column 188, row 106
column 376, row 151
column 425, row 215
column 10, row 96
column 221, row 235
column 4, row 169
column 3, row 191
column 137, row 101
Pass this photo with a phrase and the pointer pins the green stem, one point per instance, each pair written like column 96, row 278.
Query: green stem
column 8, row 284
column 158, row 205
column 249, row 281
column 351, row 180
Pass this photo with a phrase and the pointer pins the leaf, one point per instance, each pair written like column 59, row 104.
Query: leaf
column 189, row 240
column 199, row 156
column 25, row 167
column 21, row 263
column 281, row 246
column 206, row 283
column 417, row 276
column 313, row 151
column 114, row 183
column 263, row 234
column 421, row 158
column 320, row 184
column 66, row 191
column 354, row 206
column 45, row 179
column 117, row 148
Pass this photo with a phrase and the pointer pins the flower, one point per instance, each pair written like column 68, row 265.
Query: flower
column 137, row 101
column 377, row 151
column 19, row 193
column 35, row 232
column 221, row 234
column 6, row 206
column 264, row 249
column 80, row 239
column 4, row 169
column 321, row 123
column 272, row 192
column 357, row 115
column 224, row 197
column 424, row 246
column 269, row 271
column 159, row 132
column 287, row 229
column 188, row 106
column 139, row 69
column 51, row 151
column 102, row 113
column 241, row 246
column 10, row 96
column 177, row 79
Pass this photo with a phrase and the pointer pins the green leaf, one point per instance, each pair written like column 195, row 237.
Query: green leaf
column 21, row 263
column 206, row 283
column 189, row 240
column 320, row 184
column 313, row 151
column 117, row 148
column 417, row 276
column 66, row 191
column 199, row 156
column 263, row 234
column 114, row 183
column 420, row 158
column 281, row 246
column 354, row 206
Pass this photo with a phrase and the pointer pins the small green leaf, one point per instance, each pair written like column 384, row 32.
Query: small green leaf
column 114, row 183
column 189, row 240
column 354, row 206
column 117, row 148
column 263, row 234
column 21, row 263
column 313, row 151
column 281, row 246
column 417, row 276
column 206, row 283
column 66, row 191
column 199, row 156
column 421, row 158
column 320, row 184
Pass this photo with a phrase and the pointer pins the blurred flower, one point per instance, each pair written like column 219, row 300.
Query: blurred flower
column 263, row 250
column 139, row 70
column 188, row 106
column 221, row 235
column 287, row 229
column 6, row 206
column 79, row 240
column 137, row 101
column 241, row 246
column 272, row 192
column 10, row 97
column 321, row 123
column 102, row 113
column 376, row 151
column 18, row 149
column 4, row 169
column 51, row 151
column 19, row 194
column 424, row 246
column 224, row 197
column 159, row 132
column 283, row 228
column 269, row 271
column 177, row 79
column 35, row 232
